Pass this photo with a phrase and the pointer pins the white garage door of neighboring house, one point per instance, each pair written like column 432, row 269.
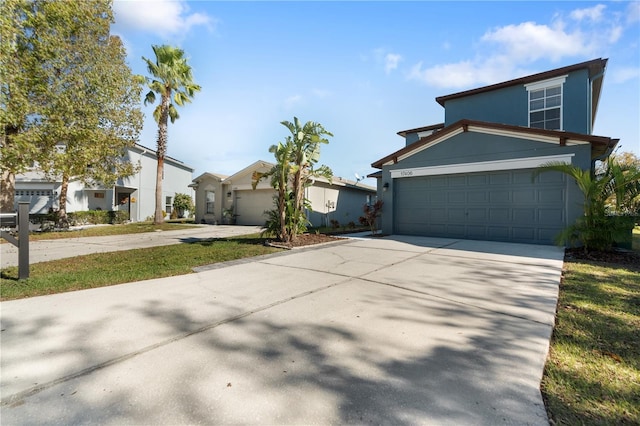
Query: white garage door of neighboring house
column 498, row 206
column 250, row 206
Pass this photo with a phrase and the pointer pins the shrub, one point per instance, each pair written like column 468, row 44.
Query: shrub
column 371, row 214
column 182, row 203
column 334, row 224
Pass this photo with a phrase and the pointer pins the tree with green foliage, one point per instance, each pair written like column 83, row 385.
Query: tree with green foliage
column 182, row 203
column 74, row 106
column 19, row 89
column 173, row 81
column 607, row 195
column 294, row 171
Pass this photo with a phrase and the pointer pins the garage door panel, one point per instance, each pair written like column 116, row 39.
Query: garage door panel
column 524, row 196
column 438, row 215
column 524, row 215
column 499, row 179
column 437, row 197
column 477, row 180
column 477, row 214
column 502, row 215
column 524, row 234
column 475, row 197
column 499, row 197
column 458, row 197
column 498, row 232
column 456, row 214
column 551, row 196
column 458, row 180
column 504, row 206
column 550, row 216
column 456, row 231
column 477, row 232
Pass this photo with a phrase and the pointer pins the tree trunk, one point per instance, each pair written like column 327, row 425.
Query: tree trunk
column 63, row 222
column 161, row 151
column 158, row 217
column 7, row 192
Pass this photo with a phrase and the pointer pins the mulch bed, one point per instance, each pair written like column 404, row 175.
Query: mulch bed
column 625, row 258
column 303, row 240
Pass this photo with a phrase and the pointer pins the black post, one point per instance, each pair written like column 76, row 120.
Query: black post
column 23, row 238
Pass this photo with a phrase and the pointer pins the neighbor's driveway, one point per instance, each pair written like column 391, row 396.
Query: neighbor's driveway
column 400, row 330
column 44, row 250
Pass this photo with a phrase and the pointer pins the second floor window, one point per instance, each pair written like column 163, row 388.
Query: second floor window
column 545, row 104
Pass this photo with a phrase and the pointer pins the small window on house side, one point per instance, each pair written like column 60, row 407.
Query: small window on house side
column 168, row 205
column 545, row 104
column 210, row 200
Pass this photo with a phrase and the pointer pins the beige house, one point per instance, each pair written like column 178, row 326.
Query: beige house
column 221, row 198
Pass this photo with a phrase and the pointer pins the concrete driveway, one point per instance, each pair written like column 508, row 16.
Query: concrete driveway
column 397, row 330
column 44, row 250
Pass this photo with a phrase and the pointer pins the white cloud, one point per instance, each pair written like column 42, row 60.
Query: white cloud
column 592, row 13
column 292, row 101
column 509, row 51
column 463, row 74
column 160, row 17
column 633, row 12
column 391, row 62
column 530, row 41
column 320, row 93
column 621, row 75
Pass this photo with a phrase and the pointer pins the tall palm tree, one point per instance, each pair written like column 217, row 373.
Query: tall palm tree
column 173, row 81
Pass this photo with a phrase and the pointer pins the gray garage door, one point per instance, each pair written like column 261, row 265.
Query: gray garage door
column 250, row 206
column 497, row 206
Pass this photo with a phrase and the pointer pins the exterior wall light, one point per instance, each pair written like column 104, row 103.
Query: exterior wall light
column 385, row 186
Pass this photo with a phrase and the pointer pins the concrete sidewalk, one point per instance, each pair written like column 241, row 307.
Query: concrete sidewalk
column 44, row 250
column 398, row 330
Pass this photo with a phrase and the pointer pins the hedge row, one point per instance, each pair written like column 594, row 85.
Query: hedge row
column 94, row 217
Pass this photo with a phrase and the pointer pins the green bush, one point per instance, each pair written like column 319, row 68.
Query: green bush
column 98, row 217
column 181, row 204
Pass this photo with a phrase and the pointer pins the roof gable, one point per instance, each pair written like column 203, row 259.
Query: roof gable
column 595, row 67
column 600, row 146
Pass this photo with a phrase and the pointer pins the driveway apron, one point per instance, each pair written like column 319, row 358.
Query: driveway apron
column 396, row 330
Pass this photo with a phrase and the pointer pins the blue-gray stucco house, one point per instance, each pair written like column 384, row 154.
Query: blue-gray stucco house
column 471, row 176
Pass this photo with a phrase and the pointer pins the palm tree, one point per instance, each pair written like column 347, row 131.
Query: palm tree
column 595, row 230
column 305, row 142
column 294, row 171
column 173, row 81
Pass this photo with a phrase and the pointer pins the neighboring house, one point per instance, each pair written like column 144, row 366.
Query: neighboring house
column 471, row 176
column 342, row 200
column 135, row 194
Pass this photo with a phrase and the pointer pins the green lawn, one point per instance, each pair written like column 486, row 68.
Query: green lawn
column 103, row 230
column 592, row 376
column 103, row 269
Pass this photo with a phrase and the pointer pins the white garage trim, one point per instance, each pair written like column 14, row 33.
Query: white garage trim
column 481, row 166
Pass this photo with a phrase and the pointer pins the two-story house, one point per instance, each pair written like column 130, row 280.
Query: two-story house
column 471, row 176
column 134, row 194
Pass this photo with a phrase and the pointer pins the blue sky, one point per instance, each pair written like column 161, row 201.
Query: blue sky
column 366, row 70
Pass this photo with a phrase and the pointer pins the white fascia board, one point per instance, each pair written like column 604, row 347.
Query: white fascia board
column 482, row 166
column 556, row 81
column 528, row 136
column 426, row 146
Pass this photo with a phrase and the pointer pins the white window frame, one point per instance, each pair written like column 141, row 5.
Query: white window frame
column 545, row 85
column 168, row 205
